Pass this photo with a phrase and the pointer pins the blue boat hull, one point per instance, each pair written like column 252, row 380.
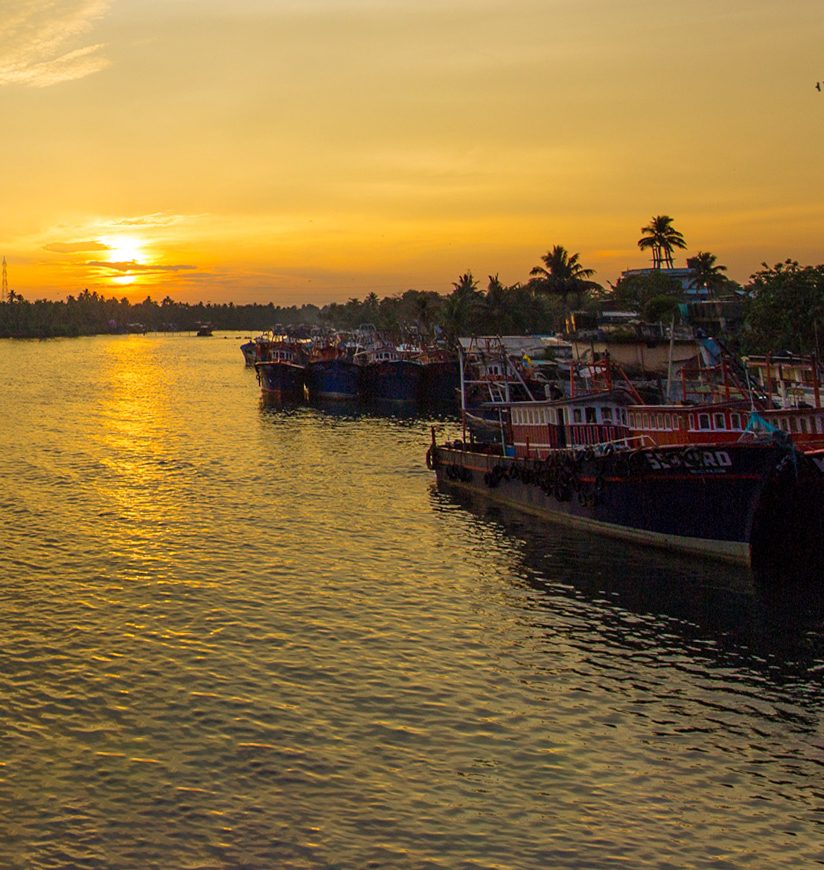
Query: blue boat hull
column 333, row 379
column 281, row 382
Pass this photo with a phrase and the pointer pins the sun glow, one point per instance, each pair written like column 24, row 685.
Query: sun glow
column 126, row 254
column 124, row 249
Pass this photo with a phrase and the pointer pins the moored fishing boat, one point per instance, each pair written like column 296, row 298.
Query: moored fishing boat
column 388, row 376
column 751, row 503
column 753, row 499
column 281, row 375
column 257, row 349
column 332, row 373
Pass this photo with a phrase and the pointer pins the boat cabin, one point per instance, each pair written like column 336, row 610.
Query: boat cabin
column 685, row 424
column 587, row 421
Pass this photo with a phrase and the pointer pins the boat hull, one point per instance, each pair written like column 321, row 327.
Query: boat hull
column 737, row 502
column 281, row 381
column 441, row 382
column 393, row 381
column 336, row 379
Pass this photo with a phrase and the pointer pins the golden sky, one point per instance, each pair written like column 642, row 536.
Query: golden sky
column 313, row 150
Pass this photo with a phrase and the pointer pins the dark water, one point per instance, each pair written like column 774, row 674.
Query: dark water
column 239, row 637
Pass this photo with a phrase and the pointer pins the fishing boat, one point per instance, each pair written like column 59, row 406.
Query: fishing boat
column 281, row 374
column 584, row 460
column 257, row 349
column 753, row 503
column 332, row 373
column 388, row 376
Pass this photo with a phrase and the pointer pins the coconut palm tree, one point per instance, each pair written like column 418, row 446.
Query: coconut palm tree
column 562, row 274
column 706, row 273
column 662, row 237
column 459, row 310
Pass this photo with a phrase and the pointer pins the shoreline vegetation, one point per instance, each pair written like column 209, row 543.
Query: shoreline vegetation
column 780, row 308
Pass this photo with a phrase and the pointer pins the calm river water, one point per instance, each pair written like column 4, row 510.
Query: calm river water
column 240, row 637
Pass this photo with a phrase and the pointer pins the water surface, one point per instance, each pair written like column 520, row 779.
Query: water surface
column 237, row 636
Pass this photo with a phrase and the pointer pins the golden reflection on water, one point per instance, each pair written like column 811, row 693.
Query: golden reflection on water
column 138, row 438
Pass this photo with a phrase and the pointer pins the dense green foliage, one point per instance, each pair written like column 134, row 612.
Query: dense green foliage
column 785, row 309
column 92, row 314
column 649, row 293
column 467, row 310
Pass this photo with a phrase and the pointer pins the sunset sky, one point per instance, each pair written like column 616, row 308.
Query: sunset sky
column 314, row 150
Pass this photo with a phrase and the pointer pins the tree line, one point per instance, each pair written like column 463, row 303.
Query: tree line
column 784, row 303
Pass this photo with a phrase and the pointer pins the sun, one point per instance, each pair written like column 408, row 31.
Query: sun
column 124, row 249
column 126, row 254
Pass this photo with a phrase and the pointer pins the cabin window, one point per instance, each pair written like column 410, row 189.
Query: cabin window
column 784, row 423
column 590, row 414
column 692, row 421
column 703, row 421
column 735, row 421
column 576, row 415
column 795, row 424
column 659, row 421
column 803, row 425
column 679, row 422
column 606, row 415
column 720, row 423
column 646, row 421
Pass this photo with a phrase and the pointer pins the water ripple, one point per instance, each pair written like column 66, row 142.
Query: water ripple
column 241, row 637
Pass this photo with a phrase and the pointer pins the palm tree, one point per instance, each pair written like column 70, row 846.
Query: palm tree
column 460, row 308
column 562, row 274
column 706, row 273
column 663, row 238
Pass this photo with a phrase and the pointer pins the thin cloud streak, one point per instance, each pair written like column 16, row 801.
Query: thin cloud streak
column 38, row 44
column 159, row 219
column 75, row 247
column 134, row 266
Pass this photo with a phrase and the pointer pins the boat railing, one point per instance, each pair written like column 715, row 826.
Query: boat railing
column 628, row 442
